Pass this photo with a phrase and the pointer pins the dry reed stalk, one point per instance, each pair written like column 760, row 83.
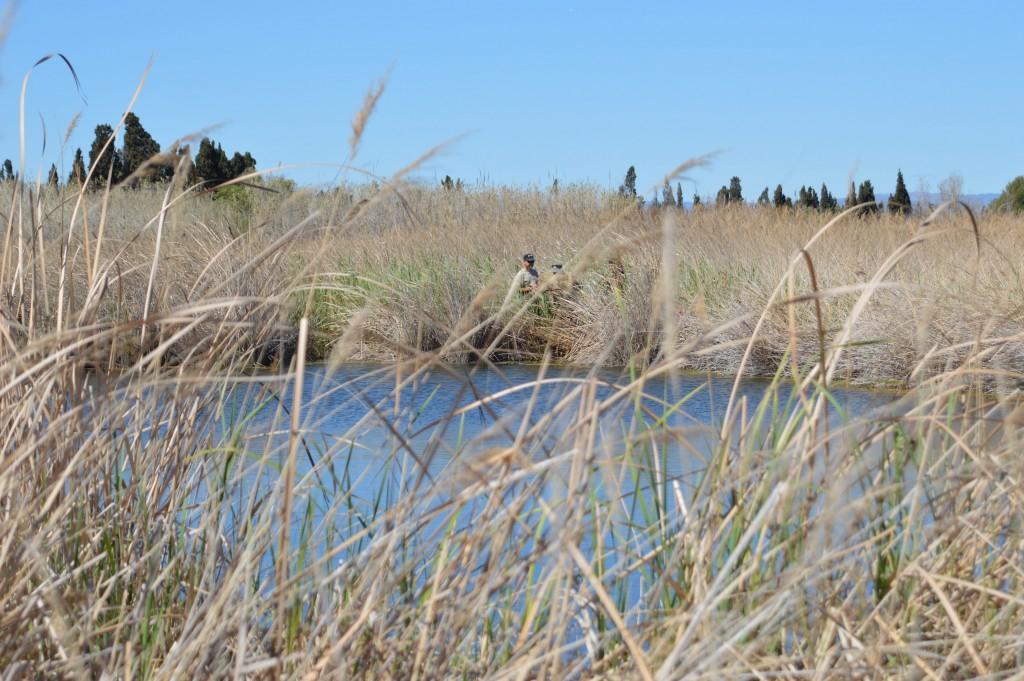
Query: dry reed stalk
column 168, row 542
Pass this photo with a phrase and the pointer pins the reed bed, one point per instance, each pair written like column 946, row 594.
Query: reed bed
column 415, row 263
column 134, row 542
column 154, row 525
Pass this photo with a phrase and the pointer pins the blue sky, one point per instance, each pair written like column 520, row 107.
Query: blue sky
column 787, row 92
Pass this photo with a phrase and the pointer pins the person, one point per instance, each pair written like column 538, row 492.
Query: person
column 526, row 279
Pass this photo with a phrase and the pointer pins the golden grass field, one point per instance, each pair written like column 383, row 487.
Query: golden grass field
column 415, row 264
column 873, row 547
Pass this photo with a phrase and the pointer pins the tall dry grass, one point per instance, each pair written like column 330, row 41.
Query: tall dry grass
column 415, row 263
column 133, row 543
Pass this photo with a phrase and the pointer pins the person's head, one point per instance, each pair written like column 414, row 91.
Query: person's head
column 528, row 261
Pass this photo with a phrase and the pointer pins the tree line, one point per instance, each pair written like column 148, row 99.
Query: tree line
column 139, row 159
column 808, row 197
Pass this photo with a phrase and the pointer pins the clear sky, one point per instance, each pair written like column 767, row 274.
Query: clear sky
column 788, row 92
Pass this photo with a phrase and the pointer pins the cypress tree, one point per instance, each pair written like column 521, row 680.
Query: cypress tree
column 696, row 200
column 7, row 171
column 764, row 199
column 139, row 145
column 104, row 163
column 828, row 202
column 53, row 179
column 628, row 186
column 679, row 196
column 212, row 165
column 735, row 194
column 77, row 175
column 245, row 163
column 812, row 199
column 779, row 199
column 899, row 202
column 866, row 194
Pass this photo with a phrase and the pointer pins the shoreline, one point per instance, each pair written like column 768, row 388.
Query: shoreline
column 685, row 373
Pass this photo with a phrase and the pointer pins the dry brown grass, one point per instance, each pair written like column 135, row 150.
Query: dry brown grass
column 418, row 264
column 132, row 546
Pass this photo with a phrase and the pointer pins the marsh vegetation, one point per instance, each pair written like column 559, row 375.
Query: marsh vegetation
column 154, row 524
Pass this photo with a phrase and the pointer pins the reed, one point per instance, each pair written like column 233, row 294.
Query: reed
column 417, row 265
column 155, row 525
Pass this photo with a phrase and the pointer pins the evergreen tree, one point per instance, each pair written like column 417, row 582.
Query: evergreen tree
column 828, row 202
column 722, row 197
column 448, row 183
column 554, row 187
column 666, row 196
column 7, row 172
column 53, row 179
column 244, row 163
column 779, row 199
column 77, row 175
column 212, row 164
column 810, row 199
column 1012, row 198
column 696, row 200
column 764, row 199
column 801, row 201
column 139, row 145
column 866, row 194
column 735, row 190
column 104, row 163
column 628, row 186
column 679, row 196
column 900, row 202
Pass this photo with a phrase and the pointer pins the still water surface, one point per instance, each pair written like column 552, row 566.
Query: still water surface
column 368, row 446
column 378, row 440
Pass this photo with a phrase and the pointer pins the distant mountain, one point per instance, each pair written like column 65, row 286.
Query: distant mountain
column 980, row 200
column 934, row 198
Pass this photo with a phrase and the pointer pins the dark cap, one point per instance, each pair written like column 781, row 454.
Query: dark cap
column 528, row 257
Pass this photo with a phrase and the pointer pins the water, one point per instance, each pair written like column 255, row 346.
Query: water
column 357, row 415
column 367, row 445
column 487, row 460
column 510, row 466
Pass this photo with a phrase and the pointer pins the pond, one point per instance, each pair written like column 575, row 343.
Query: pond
column 366, row 414
column 377, row 447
